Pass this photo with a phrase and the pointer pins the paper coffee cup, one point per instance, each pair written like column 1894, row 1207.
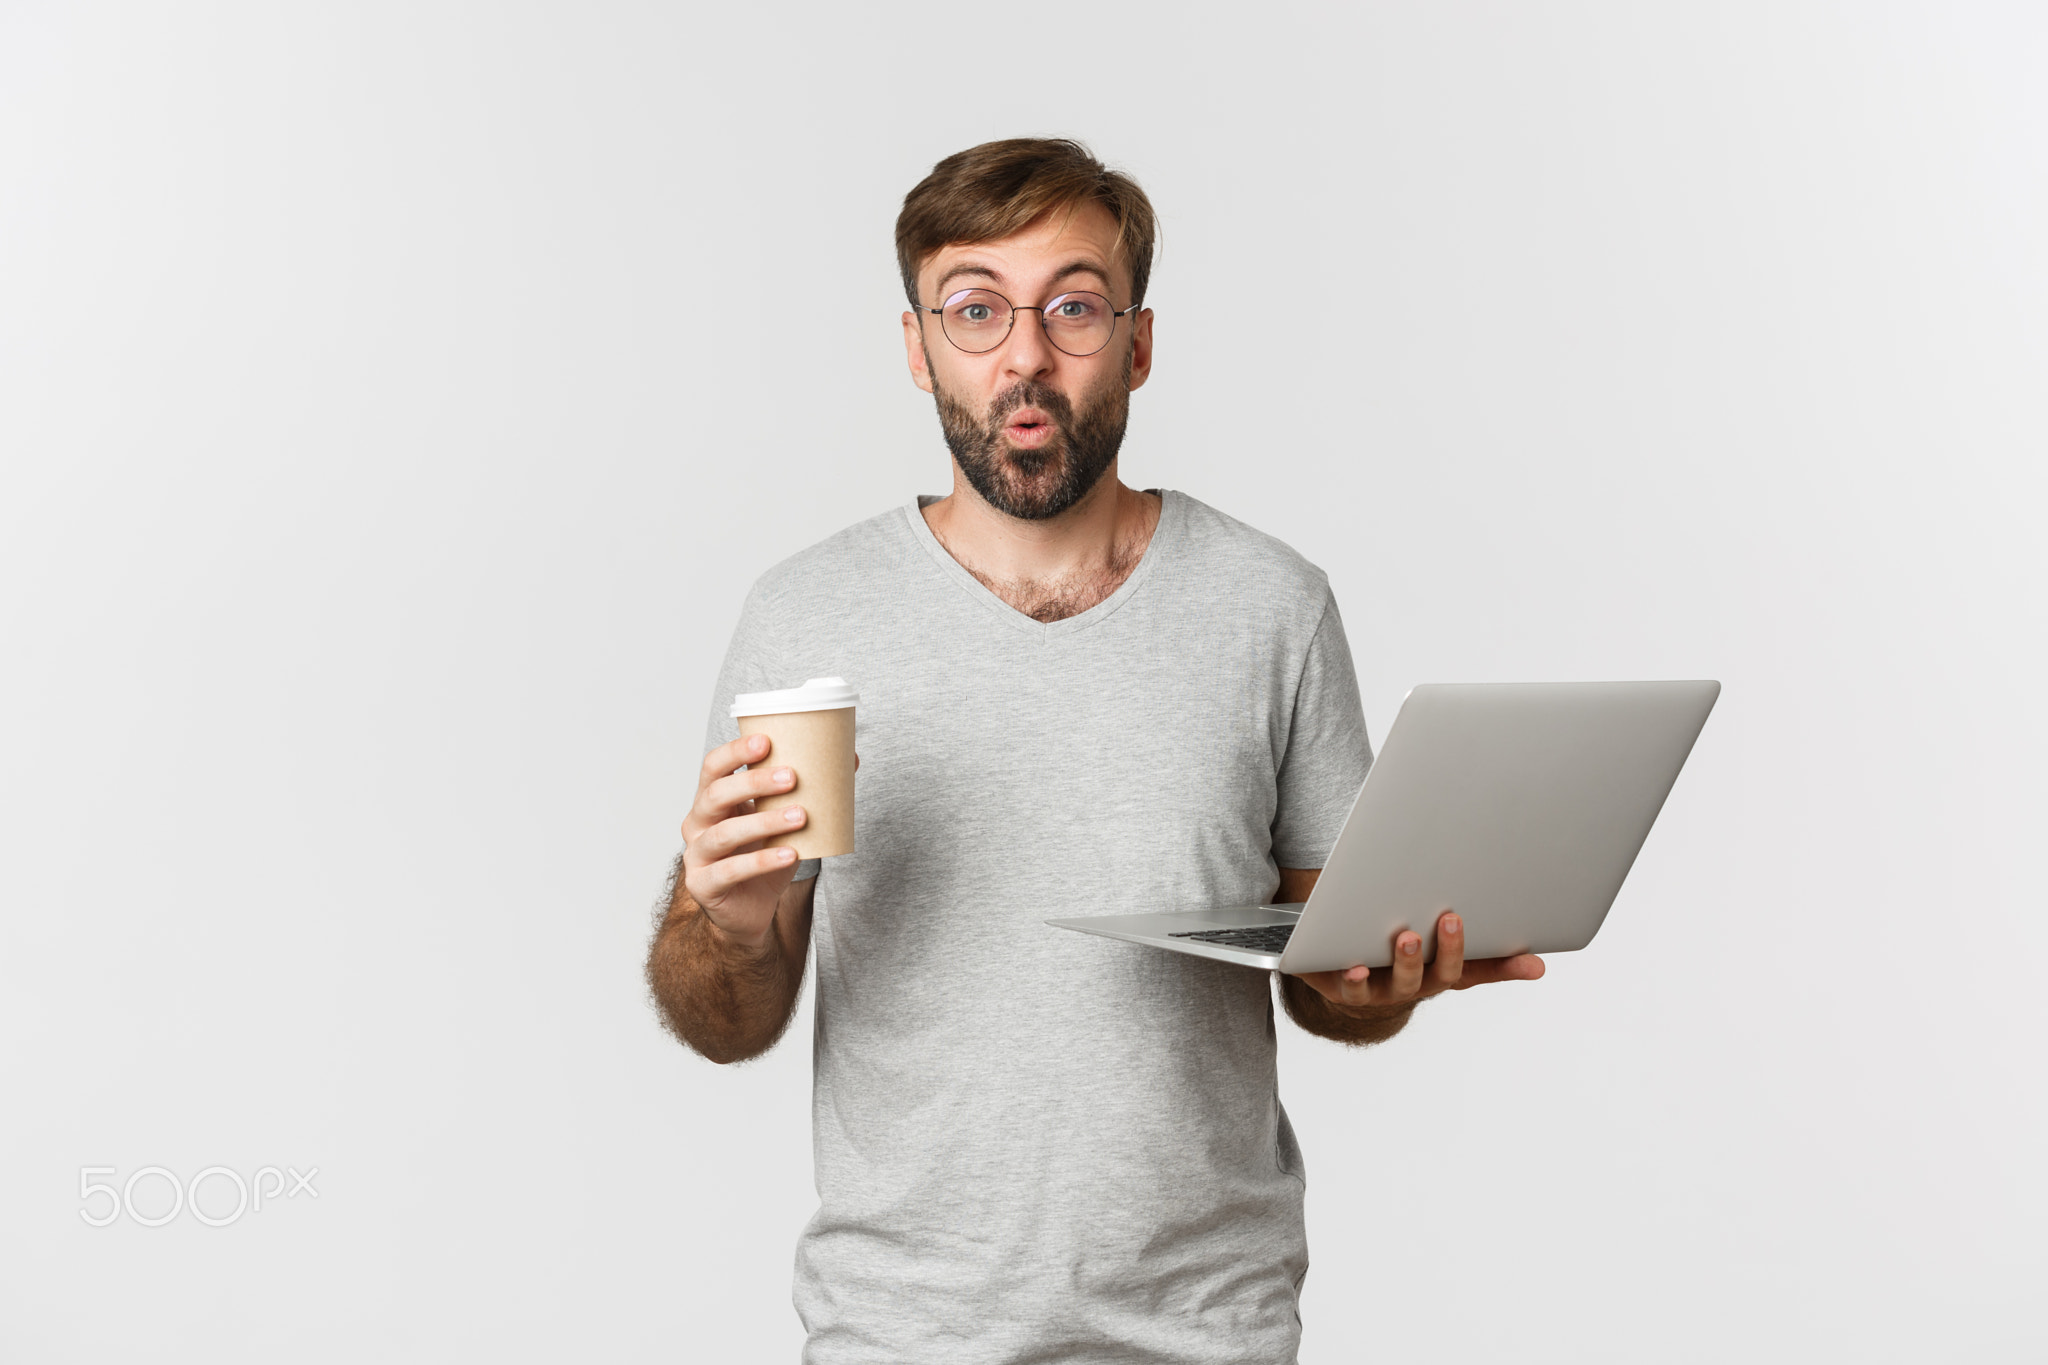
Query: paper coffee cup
column 811, row 730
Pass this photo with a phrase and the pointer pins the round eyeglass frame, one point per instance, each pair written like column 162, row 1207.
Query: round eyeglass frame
column 940, row 313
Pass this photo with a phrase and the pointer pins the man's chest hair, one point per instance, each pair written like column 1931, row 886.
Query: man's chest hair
column 1049, row 600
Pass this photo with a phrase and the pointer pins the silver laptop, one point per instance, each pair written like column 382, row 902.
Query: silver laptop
column 1519, row 805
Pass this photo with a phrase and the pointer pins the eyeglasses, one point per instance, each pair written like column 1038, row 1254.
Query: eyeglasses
column 979, row 320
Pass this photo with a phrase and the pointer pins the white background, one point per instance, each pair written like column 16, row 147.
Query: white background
column 397, row 400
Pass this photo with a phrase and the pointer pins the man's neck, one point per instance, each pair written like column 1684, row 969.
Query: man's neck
column 1055, row 568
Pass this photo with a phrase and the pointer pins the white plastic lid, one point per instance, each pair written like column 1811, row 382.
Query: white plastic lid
column 819, row 694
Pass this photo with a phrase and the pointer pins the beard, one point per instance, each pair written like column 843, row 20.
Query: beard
column 1033, row 485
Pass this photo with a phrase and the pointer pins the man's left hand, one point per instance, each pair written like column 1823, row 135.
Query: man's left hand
column 1366, row 991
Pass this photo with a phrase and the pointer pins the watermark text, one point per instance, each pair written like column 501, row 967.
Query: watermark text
column 218, row 1196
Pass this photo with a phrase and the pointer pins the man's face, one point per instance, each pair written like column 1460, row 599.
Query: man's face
column 1032, row 428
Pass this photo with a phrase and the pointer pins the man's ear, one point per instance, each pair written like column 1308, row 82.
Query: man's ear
column 1141, row 348
column 913, row 351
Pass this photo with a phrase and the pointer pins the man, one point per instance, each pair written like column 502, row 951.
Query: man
column 1074, row 697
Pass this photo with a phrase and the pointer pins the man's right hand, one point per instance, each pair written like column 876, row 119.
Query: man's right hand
column 735, row 881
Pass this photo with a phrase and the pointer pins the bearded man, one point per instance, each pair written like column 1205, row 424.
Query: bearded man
column 1075, row 697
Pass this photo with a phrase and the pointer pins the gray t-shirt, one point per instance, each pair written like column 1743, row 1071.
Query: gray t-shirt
column 1033, row 1144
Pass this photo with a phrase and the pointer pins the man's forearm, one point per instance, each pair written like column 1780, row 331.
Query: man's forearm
column 1358, row 1026
column 725, row 999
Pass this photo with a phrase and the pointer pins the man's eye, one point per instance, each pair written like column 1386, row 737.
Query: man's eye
column 977, row 312
column 1074, row 310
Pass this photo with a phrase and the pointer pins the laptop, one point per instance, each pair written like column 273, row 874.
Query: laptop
column 1521, row 806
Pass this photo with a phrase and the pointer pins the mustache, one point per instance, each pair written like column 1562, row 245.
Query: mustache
column 1029, row 394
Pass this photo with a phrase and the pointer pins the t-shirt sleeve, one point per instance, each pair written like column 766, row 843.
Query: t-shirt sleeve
column 753, row 663
column 1327, row 750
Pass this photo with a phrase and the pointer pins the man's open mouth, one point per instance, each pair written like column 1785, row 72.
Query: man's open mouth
column 1029, row 428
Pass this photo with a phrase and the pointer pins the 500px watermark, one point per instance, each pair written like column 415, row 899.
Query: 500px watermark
column 100, row 1202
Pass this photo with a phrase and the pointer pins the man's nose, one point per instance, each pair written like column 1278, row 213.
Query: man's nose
column 1026, row 352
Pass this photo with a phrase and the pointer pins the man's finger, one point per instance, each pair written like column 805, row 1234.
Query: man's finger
column 1450, row 949
column 730, row 794
column 722, row 876
column 728, row 758
column 1407, row 970
column 1353, row 987
column 728, row 837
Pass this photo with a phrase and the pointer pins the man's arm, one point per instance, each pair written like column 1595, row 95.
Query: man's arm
column 1361, row 1007
column 726, row 999
column 729, row 956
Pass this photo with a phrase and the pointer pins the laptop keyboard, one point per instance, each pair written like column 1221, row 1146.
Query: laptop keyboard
column 1266, row 938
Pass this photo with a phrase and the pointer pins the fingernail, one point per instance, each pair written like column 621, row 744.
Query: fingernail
column 785, row 855
column 756, row 743
column 1452, row 924
column 1410, row 948
column 784, row 775
column 793, row 814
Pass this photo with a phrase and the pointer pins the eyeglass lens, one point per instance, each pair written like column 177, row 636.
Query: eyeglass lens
column 977, row 320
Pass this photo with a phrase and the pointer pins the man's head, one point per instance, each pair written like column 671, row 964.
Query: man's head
column 1033, row 404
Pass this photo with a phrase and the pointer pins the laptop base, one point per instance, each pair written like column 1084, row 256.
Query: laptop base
column 1172, row 930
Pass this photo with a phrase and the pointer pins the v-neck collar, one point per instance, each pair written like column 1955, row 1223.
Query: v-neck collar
column 1165, row 536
